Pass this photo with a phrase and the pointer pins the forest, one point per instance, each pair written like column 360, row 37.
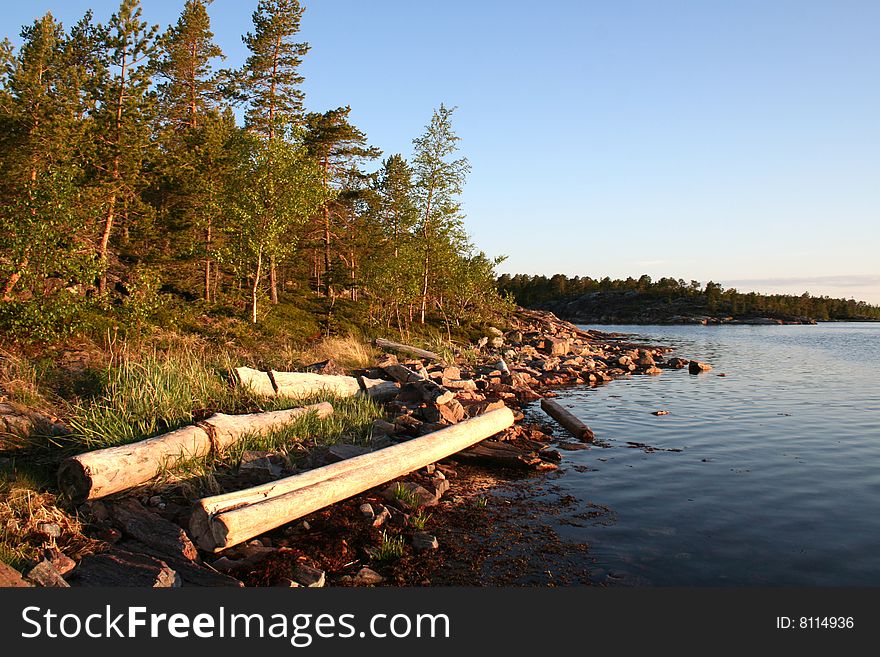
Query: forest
column 143, row 183
column 711, row 298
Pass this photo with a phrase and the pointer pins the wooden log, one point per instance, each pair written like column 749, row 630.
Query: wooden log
column 191, row 573
column 379, row 390
column 226, row 430
column 305, row 384
column 167, row 539
column 407, row 349
column 568, row 421
column 258, row 382
column 105, row 471
column 121, row 568
column 226, row 520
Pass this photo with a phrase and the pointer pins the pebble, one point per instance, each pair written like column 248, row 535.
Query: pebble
column 425, row 541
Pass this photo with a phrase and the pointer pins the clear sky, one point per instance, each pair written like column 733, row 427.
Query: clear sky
column 735, row 141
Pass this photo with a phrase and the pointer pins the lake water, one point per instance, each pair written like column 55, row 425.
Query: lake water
column 778, row 479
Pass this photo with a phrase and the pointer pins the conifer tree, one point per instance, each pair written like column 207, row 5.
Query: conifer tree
column 270, row 80
column 336, row 145
column 123, row 119
column 195, row 134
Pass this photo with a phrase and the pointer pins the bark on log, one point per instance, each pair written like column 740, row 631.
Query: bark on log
column 105, row 471
column 258, row 382
column 379, row 390
column 499, row 454
column 226, row 520
column 191, row 574
column 167, row 539
column 120, row 568
column 226, row 430
column 400, row 372
column 304, row 384
column 405, row 348
column 568, row 421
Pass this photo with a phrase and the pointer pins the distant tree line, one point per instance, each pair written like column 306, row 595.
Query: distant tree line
column 533, row 290
column 125, row 178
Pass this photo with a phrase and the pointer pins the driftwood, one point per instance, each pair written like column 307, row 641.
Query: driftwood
column 379, row 390
column 258, row 382
column 569, row 422
column 500, row 454
column 304, row 384
column 226, row 520
column 121, row 568
column 191, row 573
column 105, row 471
column 405, row 348
column 400, row 372
column 163, row 536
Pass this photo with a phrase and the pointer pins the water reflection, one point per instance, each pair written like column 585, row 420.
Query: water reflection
column 776, row 483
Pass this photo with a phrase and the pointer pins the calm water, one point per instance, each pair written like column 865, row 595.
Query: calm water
column 778, row 480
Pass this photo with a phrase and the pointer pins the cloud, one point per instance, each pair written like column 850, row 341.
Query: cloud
column 856, row 280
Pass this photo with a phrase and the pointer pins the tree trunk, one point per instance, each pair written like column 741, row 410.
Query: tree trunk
column 208, row 262
column 226, row 520
column 273, row 281
column 382, row 343
column 569, row 422
column 256, row 286
column 105, row 471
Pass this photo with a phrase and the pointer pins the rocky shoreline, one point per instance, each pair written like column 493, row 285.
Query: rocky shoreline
column 444, row 524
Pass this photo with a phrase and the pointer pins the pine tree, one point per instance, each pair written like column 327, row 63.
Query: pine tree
column 438, row 181
column 194, row 133
column 270, row 79
column 190, row 88
column 123, row 120
column 336, row 145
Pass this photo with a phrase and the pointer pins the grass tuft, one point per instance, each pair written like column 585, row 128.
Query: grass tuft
column 390, row 549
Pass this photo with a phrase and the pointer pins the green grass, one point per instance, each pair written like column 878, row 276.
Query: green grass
column 419, row 520
column 406, row 496
column 390, row 549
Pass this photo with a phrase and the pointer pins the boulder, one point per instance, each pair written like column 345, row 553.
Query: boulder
column 696, row 367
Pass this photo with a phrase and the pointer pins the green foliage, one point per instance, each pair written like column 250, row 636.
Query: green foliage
column 406, row 496
column 390, row 549
column 129, row 196
column 420, row 520
column 630, row 296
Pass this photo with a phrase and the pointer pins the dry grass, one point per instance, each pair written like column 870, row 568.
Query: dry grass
column 29, row 518
column 19, row 381
column 349, row 352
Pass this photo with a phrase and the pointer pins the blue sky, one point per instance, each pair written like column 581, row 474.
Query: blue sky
column 732, row 141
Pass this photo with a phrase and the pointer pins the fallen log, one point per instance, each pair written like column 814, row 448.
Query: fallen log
column 163, row 536
column 568, row 421
column 405, row 348
column 258, row 382
column 222, row 521
column 305, row 384
column 105, row 471
column 379, row 390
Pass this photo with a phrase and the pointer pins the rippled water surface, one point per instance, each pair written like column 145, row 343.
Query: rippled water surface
column 778, row 477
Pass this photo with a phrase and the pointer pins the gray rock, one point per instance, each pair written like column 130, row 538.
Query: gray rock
column 308, row 576
column 119, row 568
column 367, row 577
column 494, row 332
column 383, row 516
column 367, row 511
column 343, row 451
column 424, row 541
column 696, row 367
column 45, row 575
